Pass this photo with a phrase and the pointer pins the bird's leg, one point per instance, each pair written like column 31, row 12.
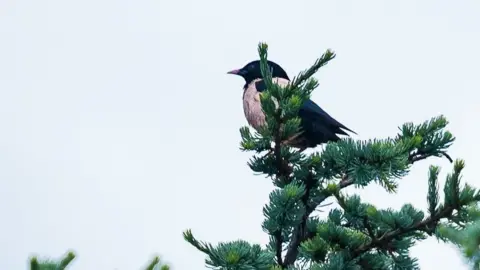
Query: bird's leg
column 289, row 141
column 292, row 139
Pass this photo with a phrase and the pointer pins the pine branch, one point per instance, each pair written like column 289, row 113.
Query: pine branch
column 407, row 224
column 421, row 156
column 304, row 182
column 299, row 235
column 47, row 264
column 65, row 262
column 300, row 232
column 424, row 226
column 307, row 74
column 369, row 228
column 345, row 182
column 156, row 264
column 283, row 168
column 466, row 238
column 278, row 247
column 232, row 255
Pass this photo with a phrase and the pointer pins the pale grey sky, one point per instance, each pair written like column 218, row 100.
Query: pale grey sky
column 119, row 126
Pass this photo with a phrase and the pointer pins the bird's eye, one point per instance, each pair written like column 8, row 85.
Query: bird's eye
column 251, row 67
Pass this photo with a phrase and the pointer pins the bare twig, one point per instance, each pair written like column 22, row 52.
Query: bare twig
column 421, row 156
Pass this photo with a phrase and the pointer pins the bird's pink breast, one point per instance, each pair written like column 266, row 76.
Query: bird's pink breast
column 252, row 106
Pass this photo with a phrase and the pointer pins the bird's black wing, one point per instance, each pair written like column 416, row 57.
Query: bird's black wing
column 317, row 118
column 311, row 109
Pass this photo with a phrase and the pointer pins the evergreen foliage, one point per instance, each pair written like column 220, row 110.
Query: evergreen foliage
column 357, row 235
column 465, row 235
column 49, row 264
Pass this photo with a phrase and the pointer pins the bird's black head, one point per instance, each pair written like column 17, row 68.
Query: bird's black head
column 252, row 71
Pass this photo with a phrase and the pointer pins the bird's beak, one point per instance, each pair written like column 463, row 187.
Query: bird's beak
column 235, row 71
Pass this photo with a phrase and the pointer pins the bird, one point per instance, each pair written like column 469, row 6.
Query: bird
column 316, row 126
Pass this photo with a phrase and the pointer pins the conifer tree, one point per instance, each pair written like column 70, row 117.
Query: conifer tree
column 356, row 235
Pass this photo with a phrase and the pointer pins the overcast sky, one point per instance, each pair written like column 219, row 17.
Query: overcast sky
column 119, row 126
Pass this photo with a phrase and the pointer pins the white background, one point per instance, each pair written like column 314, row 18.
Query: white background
column 119, row 126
